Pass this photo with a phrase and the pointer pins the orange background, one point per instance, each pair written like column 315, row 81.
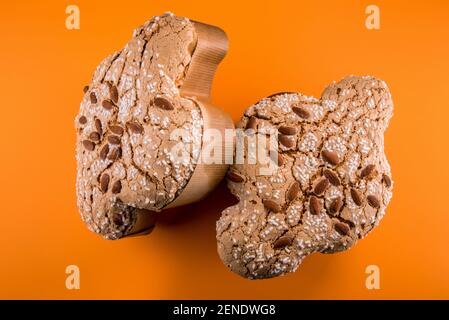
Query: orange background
column 274, row 46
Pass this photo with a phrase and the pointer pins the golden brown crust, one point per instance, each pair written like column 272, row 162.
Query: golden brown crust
column 333, row 158
column 126, row 167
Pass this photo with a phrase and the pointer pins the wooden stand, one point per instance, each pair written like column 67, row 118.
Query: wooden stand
column 211, row 47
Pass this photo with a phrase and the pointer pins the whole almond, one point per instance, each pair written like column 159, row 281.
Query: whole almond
column 135, row 127
column 114, row 139
column 107, row 104
column 332, row 177
column 163, row 103
column 356, row 197
column 386, row 179
column 289, row 131
column 335, row 206
column 286, row 141
column 301, row 112
column 94, row 136
column 104, row 152
column 82, row 120
column 116, row 187
column 114, row 93
column 89, row 145
column 293, row 191
column 104, row 182
column 321, row 186
column 251, row 124
column 235, row 177
column 342, row 228
column 115, row 154
column 93, row 98
column 367, row 170
column 98, row 126
column 330, row 157
column 272, row 205
column 117, row 219
column 282, row 242
column 314, row 205
column 373, row 201
column 115, row 129
column 281, row 160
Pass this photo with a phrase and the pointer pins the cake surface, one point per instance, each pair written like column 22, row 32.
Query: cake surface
column 331, row 186
column 127, row 116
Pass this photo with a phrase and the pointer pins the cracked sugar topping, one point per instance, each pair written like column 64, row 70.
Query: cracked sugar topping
column 124, row 124
column 330, row 189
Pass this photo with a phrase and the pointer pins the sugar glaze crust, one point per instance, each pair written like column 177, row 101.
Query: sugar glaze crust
column 332, row 185
column 123, row 128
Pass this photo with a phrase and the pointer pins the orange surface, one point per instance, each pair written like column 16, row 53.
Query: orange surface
column 274, row 46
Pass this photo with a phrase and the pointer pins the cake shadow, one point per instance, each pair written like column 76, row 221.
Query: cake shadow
column 209, row 208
